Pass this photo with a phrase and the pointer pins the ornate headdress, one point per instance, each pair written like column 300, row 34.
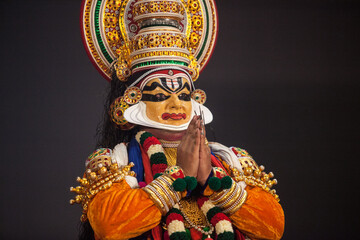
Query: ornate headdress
column 137, row 37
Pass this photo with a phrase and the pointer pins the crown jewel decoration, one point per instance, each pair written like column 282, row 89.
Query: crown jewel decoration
column 135, row 35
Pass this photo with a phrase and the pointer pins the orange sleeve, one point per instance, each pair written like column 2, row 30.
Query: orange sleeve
column 261, row 216
column 121, row 213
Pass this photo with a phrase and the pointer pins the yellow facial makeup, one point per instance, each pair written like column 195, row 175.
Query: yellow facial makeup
column 168, row 101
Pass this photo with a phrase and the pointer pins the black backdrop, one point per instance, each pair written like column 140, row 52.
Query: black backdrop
column 282, row 83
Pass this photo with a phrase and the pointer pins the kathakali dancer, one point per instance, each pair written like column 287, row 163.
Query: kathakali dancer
column 156, row 176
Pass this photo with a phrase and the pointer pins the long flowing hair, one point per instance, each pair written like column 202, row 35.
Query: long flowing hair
column 108, row 135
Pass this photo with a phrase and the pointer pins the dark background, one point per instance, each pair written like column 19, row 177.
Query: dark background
column 283, row 83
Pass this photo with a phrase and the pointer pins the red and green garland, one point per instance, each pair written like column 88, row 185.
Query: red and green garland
column 174, row 218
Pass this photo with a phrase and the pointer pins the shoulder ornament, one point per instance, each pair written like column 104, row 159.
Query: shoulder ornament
column 252, row 174
column 102, row 170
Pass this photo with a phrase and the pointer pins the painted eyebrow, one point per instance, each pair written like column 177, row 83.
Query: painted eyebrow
column 186, row 85
column 153, row 86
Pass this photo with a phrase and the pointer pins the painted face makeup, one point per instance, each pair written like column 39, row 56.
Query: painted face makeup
column 168, row 100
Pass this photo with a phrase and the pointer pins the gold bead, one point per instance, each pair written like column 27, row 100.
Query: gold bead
column 83, row 218
column 257, row 173
column 78, row 198
column 103, row 171
column 93, row 176
column 262, row 168
column 72, row 201
column 248, row 171
column 114, row 167
column 265, row 178
column 271, row 174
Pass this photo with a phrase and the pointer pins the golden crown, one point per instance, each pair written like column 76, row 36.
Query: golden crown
column 134, row 35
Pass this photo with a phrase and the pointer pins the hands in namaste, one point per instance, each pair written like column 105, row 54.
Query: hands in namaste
column 193, row 155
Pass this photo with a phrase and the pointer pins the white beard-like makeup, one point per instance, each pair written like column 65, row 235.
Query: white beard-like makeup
column 137, row 115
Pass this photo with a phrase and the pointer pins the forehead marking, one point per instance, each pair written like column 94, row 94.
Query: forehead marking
column 175, row 81
column 172, row 84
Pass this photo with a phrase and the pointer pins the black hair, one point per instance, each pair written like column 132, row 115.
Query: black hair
column 108, row 135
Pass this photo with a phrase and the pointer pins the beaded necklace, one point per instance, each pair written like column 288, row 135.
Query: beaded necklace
column 175, row 218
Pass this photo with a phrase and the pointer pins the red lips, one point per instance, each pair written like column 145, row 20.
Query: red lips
column 173, row 116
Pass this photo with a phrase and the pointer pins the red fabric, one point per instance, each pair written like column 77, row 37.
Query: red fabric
column 239, row 235
column 157, row 232
column 147, row 167
column 216, row 163
column 195, row 234
column 166, row 235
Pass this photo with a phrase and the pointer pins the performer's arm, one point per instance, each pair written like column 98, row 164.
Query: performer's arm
column 261, row 216
column 121, row 212
column 253, row 208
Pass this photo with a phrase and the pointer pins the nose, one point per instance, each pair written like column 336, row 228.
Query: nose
column 174, row 102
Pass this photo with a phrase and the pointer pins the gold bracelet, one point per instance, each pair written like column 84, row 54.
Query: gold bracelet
column 148, row 189
column 217, row 198
column 168, row 200
column 237, row 205
column 168, row 181
column 229, row 201
column 166, row 185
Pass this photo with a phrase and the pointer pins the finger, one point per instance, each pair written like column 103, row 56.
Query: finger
column 204, row 148
column 189, row 139
column 197, row 138
column 192, row 124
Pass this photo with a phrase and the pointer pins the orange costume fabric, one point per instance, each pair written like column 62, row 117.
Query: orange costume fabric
column 121, row 213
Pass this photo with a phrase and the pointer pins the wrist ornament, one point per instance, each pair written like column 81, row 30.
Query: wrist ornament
column 230, row 200
column 168, row 188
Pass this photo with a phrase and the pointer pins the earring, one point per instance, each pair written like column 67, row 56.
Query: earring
column 117, row 109
column 132, row 95
column 199, row 96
